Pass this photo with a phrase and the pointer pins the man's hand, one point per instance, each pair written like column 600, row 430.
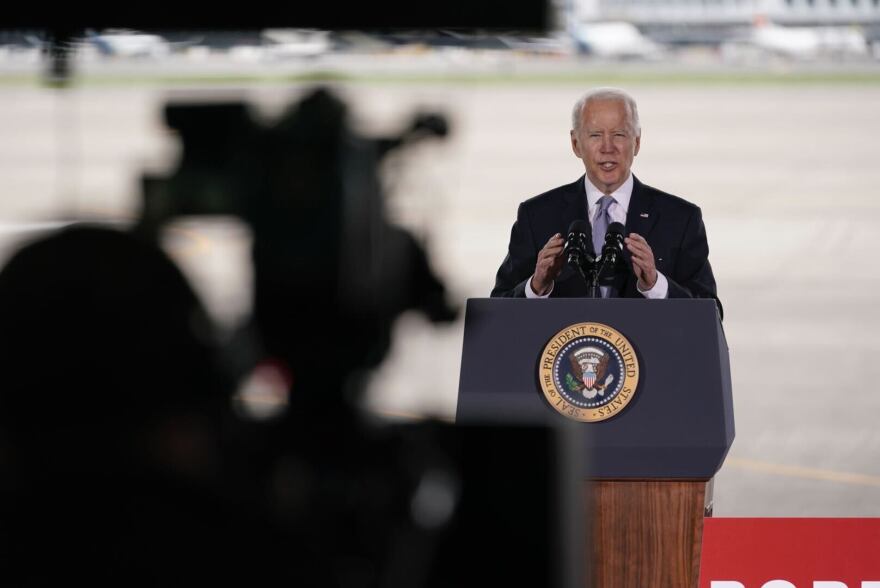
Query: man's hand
column 642, row 261
column 549, row 265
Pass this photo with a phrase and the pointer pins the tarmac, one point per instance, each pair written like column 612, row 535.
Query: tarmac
column 786, row 175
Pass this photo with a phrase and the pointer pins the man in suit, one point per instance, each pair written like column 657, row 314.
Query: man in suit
column 665, row 247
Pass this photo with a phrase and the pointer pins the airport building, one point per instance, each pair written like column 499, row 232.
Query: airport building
column 730, row 12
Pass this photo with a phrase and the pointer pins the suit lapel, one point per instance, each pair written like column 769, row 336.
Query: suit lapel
column 640, row 218
column 575, row 208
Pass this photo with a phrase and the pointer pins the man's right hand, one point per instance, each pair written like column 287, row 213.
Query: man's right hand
column 549, row 265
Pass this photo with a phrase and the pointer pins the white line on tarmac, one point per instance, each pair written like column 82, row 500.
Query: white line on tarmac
column 803, row 472
column 33, row 226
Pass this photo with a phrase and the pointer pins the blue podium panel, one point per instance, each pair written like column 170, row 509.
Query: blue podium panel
column 679, row 421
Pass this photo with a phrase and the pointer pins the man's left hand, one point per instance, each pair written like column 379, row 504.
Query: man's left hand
column 642, row 261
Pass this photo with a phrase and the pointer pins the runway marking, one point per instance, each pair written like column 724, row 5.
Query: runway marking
column 198, row 244
column 191, row 242
column 394, row 414
column 25, row 227
column 804, row 472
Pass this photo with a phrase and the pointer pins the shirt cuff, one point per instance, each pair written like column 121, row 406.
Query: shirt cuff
column 660, row 289
column 531, row 293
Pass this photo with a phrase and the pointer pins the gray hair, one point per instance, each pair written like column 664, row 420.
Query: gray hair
column 607, row 94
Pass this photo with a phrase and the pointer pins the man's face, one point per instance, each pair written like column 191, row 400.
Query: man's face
column 606, row 143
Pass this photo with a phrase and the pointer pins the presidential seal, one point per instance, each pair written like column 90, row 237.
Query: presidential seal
column 588, row 372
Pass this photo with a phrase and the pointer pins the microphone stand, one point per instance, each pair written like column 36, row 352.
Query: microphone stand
column 592, row 280
column 609, row 258
column 599, row 268
column 584, row 274
column 587, row 268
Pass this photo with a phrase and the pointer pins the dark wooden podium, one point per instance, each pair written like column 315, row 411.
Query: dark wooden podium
column 647, row 477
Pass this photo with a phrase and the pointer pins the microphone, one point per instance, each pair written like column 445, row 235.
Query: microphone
column 575, row 250
column 612, row 250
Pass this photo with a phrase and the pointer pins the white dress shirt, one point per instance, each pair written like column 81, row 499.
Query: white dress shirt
column 617, row 211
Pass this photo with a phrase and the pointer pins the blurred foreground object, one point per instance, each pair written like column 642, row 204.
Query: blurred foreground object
column 483, row 15
column 120, row 445
column 330, row 273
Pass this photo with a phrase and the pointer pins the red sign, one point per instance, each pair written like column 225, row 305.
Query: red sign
column 790, row 553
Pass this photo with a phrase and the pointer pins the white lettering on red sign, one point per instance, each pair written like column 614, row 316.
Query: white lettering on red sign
column 787, row 584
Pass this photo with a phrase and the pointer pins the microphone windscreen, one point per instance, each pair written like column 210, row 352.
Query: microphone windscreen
column 578, row 226
column 615, row 228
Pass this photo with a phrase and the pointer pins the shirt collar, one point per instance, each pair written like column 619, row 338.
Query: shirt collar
column 622, row 194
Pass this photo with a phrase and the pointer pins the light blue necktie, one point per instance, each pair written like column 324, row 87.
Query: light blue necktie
column 600, row 227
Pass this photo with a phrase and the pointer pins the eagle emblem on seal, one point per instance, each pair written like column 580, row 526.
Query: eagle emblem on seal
column 590, row 377
column 588, row 372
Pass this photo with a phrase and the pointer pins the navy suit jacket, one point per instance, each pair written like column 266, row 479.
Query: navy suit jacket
column 672, row 226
